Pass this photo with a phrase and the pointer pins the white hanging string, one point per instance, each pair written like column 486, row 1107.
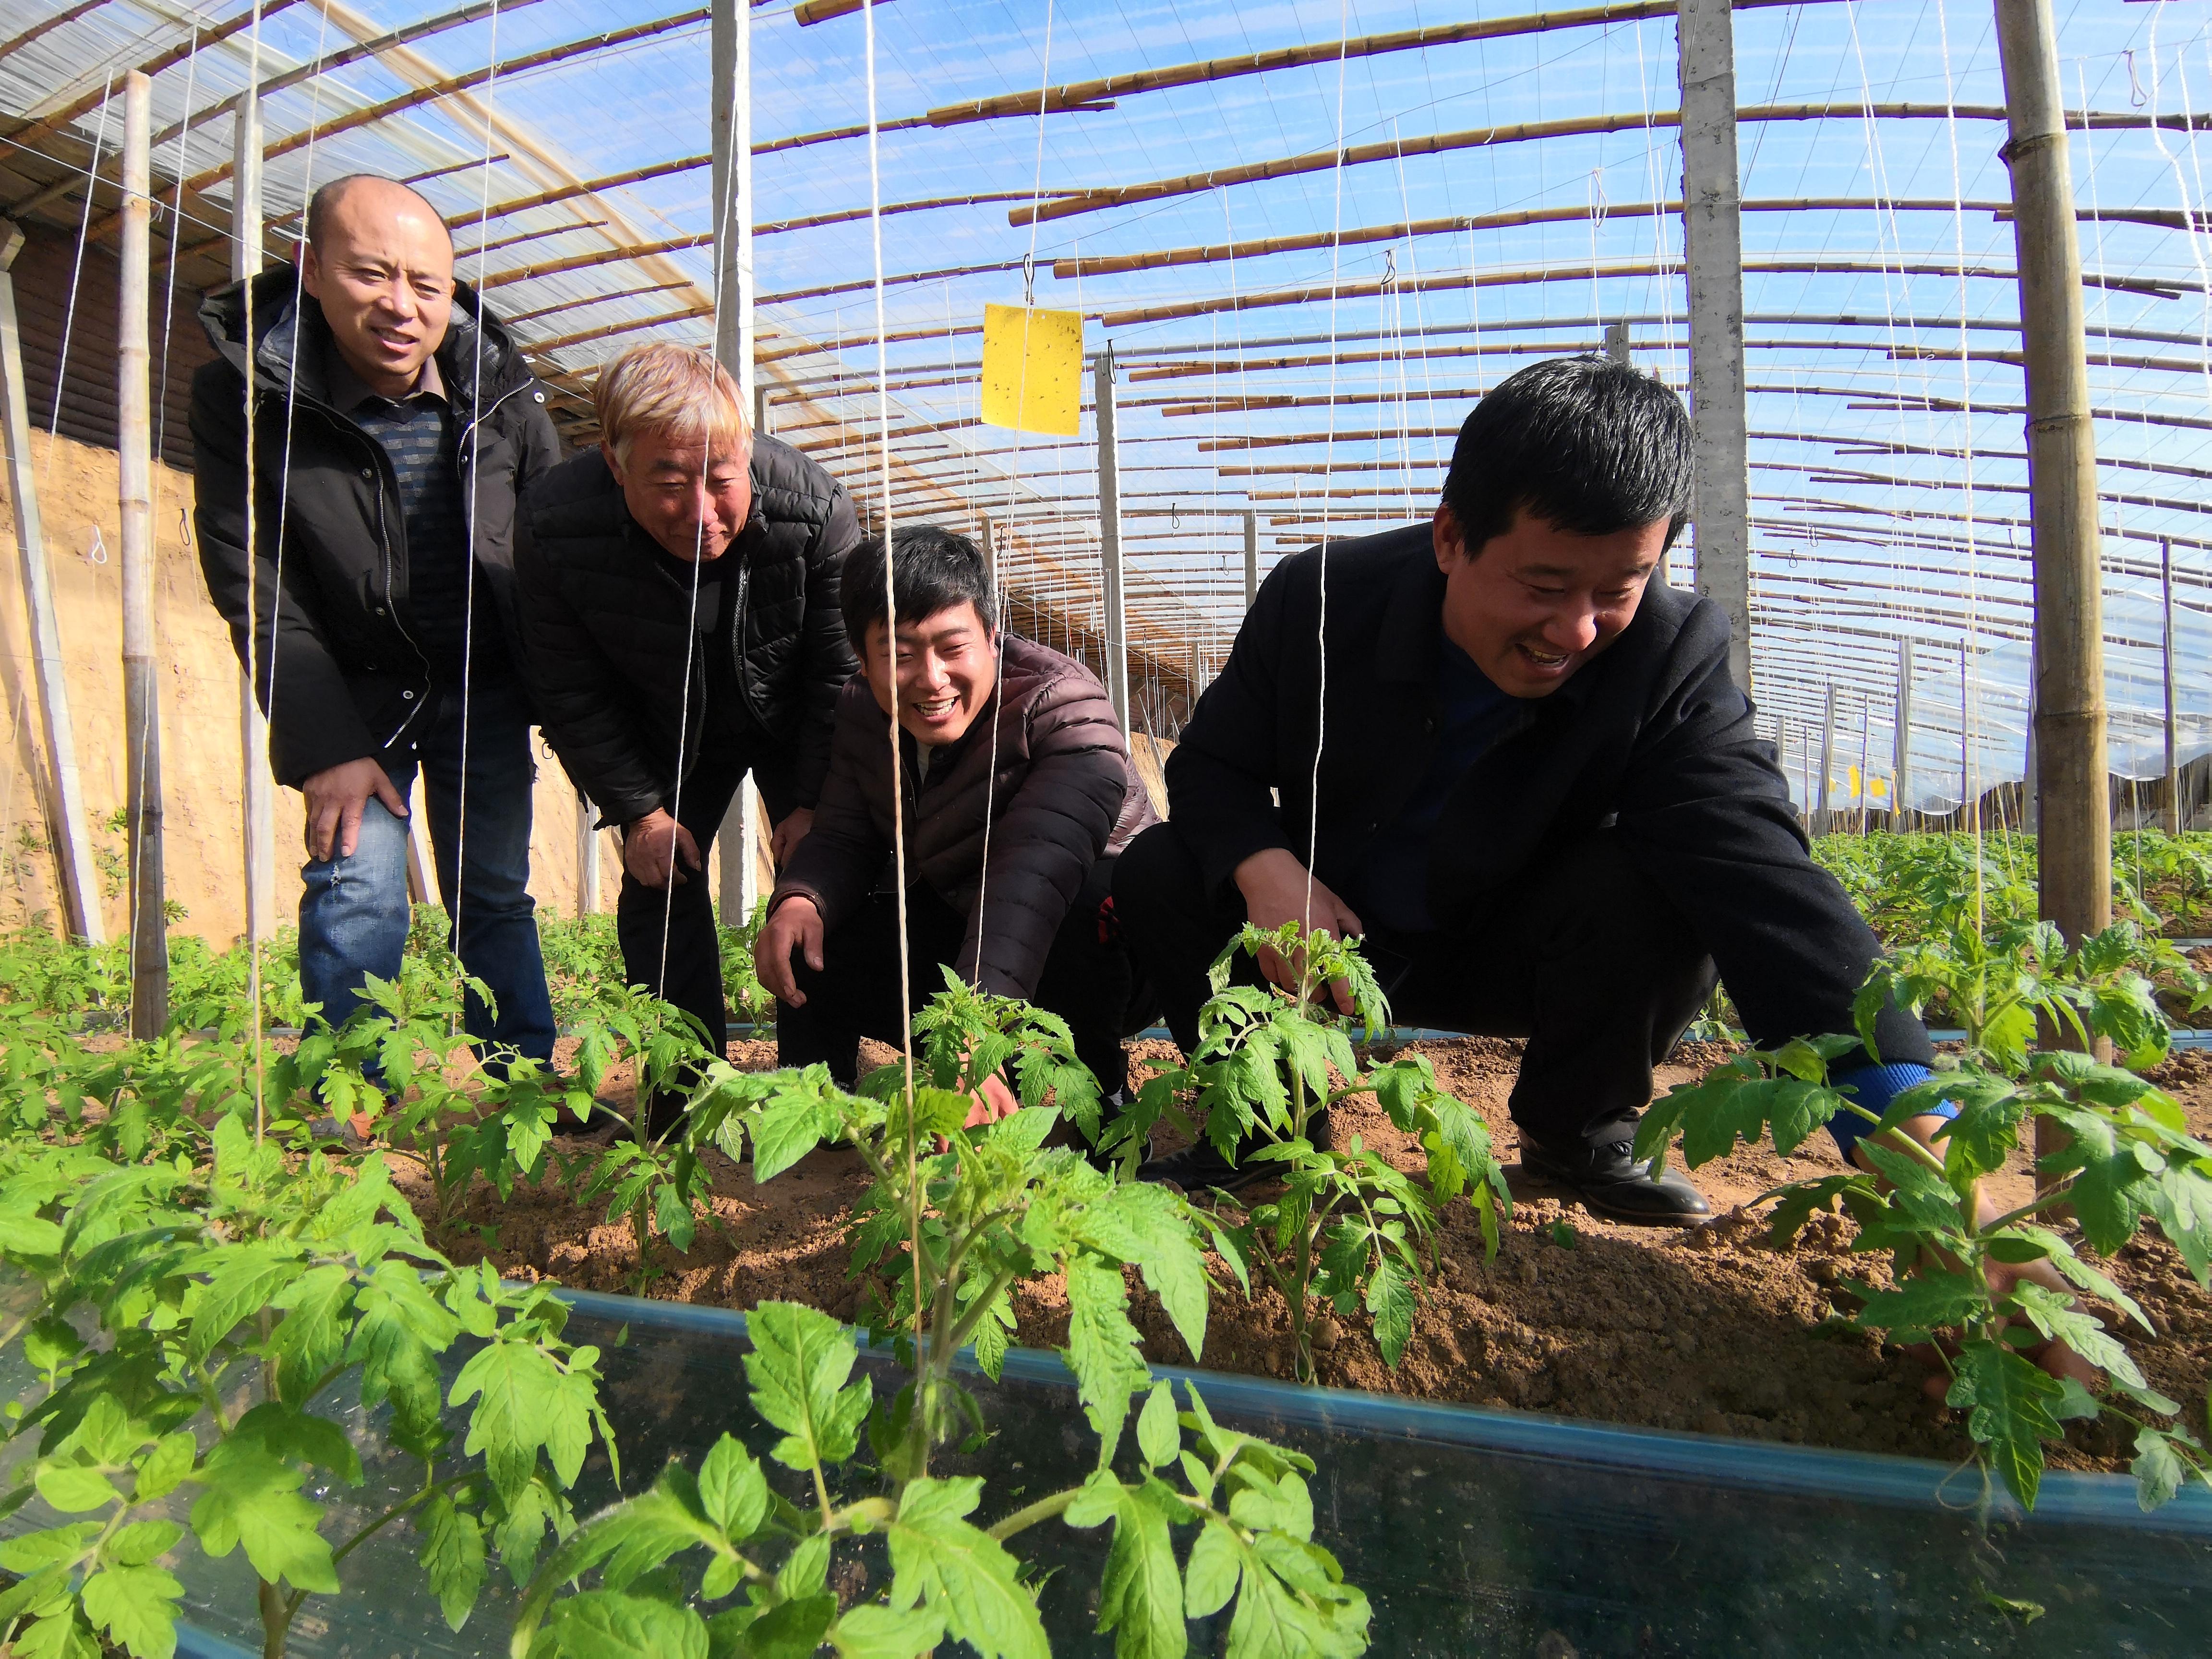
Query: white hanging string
column 250, row 225
column 76, row 273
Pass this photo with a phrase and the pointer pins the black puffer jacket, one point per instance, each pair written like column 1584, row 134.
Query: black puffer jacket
column 335, row 643
column 1062, row 794
column 603, row 625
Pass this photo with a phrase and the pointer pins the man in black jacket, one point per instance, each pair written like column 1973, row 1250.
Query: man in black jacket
column 679, row 609
column 1539, row 795
column 392, row 422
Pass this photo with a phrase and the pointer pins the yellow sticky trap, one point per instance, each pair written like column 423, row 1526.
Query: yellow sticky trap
column 1032, row 369
column 1853, row 774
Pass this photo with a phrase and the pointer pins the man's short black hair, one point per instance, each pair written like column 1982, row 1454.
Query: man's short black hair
column 1587, row 445
column 936, row 570
column 324, row 201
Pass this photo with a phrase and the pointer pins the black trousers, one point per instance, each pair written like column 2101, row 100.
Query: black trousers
column 669, row 943
column 1087, row 980
column 1585, row 958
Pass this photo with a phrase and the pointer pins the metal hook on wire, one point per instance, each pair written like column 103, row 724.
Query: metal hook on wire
column 1389, row 267
column 2136, row 95
column 1029, row 281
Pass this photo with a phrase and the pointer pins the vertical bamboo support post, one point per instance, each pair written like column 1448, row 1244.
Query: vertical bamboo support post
column 1968, row 815
column 67, row 826
column 730, row 46
column 1110, row 538
column 990, row 551
column 1712, row 244
column 1820, row 825
column 1900, row 767
column 1251, row 557
column 149, row 944
column 2173, row 815
column 258, row 786
column 2074, row 812
column 1866, row 765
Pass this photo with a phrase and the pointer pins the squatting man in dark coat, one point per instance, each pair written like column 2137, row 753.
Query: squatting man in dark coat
column 395, row 422
column 1539, row 798
column 1018, row 795
column 678, row 592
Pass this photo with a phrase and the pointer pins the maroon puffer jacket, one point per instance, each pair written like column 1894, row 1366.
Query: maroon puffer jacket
column 1064, row 796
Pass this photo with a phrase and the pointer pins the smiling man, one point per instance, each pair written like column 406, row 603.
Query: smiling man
column 1018, row 796
column 396, row 423
column 679, row 609
column 1538, row 795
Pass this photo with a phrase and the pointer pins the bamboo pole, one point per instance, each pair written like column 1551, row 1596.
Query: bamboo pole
column 1394, row 150
column 149, row 942
column 67, row 825
column 1900, row 769
column 2076, row 821
column 2174, row 824
column 1251, row 558
column 1828, row 759
column 1109, row 537
column 259, row 784
column 1866, row 765
column 46, row 25
column 587, row 859
column 731, row 123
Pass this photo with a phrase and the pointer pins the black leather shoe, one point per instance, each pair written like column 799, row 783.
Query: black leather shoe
column 1610, row 1180
column 1195, row 1168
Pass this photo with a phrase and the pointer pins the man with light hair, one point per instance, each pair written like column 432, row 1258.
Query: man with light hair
column 679, row 597
column 396, row 423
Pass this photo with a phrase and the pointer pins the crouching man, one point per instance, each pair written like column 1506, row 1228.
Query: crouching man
column 1538, row 796
column 679, row 611
column 1018, row 796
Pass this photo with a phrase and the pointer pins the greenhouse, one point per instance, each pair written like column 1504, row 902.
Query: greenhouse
column 1129, row 828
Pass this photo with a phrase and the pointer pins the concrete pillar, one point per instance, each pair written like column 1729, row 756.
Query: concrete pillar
column 259, row 788
column 2173, row 814
column 1251, row 557
column 731, row 125
column 1713, row 241
column 1820, row 825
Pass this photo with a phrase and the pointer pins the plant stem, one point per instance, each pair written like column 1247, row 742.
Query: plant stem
column 1043, row 1510
column 276, row 1618
column 2056, row 1195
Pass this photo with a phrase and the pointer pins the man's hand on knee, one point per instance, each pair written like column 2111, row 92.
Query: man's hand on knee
column 337, row 798
column 656, row 849
column 794, row 925
column 1277, row 890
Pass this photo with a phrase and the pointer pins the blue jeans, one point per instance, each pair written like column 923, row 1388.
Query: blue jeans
column 353, row 914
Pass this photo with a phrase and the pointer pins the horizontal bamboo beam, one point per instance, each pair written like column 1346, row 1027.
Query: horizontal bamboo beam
column 589, row 187
column 28, row 134
column 67, row 14
column 521, row 236
column 1087, row 94
column 513, row 318
column 811, row 12
column 1871, row 446
column 606, row 256
column 1397, row 150
column 1105, row 264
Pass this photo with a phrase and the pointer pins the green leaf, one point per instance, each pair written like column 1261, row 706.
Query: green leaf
column 137, row 1607
column 1102, row 1346
column 2181, row 1198
column 30, row 1552
column 2055, row 1316
column 806, row 1571
column 1209, row 1579
column 872, row 1632
column 142, row 1541
column 246, row 1279
column 1158, row 1436
column 940, row 1561
column 73, row 1489
column 2008, row 1403
column 607, row 1625
column 792, row 1629
column 254, row 1500
column 798, row 1366
column 2159, row 1471
column 939, row 1111
column 311, row 1339
column 734, row 1490
column 1140, row 1596
column 1928, row 1300
column 299, row 1437
column 792, row 1124
column 166, row 1466
column 453, row 1555
column 523, row 1400
column 1390, row 1300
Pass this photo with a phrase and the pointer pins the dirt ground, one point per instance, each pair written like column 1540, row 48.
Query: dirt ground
column 1705, row 1328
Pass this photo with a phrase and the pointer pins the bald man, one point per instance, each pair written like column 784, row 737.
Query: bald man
column 394, row 424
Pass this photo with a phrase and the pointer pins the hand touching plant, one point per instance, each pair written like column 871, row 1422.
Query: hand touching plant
column 1349, row 1229
column 946, row 1235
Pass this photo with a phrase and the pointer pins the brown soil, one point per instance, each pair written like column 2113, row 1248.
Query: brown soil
column 1706, row 1329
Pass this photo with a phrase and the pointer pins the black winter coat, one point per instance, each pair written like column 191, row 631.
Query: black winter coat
column 603, row 628
column 340, row 673
column 1061, row 794
column 1651, row 741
